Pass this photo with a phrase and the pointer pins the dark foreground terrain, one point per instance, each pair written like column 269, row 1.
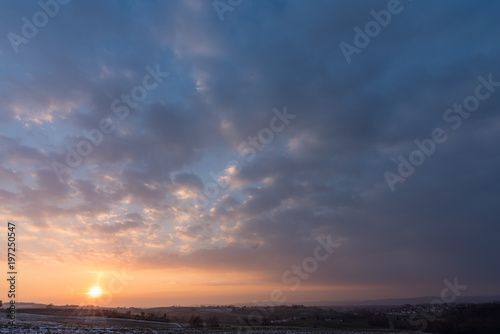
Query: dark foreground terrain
column 296, row 319
column 66, row 330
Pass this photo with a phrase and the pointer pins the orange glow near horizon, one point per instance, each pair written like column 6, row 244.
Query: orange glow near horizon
column 80, row 283
column 160, row 287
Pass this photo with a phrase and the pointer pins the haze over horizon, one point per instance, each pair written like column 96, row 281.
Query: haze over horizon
column 186, row 152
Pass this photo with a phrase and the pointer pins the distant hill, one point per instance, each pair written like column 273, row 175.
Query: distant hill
column 373, row 302
column 403, row 301
column 30, row 305
column 39, row 305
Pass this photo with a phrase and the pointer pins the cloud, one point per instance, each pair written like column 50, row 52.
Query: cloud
column 118, row 227
column 141, row 191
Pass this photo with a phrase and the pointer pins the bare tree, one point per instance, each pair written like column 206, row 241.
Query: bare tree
column 213, row 321
column 195, row 322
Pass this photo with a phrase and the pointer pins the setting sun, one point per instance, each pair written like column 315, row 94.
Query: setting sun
column 95, row 292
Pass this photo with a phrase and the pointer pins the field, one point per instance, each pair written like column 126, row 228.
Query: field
column 66, row 321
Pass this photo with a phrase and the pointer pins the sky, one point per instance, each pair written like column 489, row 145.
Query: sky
column 216, row 152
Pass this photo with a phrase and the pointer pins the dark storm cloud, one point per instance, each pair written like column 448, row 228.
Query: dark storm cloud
column 323, row 174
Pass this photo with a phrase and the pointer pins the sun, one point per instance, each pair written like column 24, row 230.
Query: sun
column 95, row 291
